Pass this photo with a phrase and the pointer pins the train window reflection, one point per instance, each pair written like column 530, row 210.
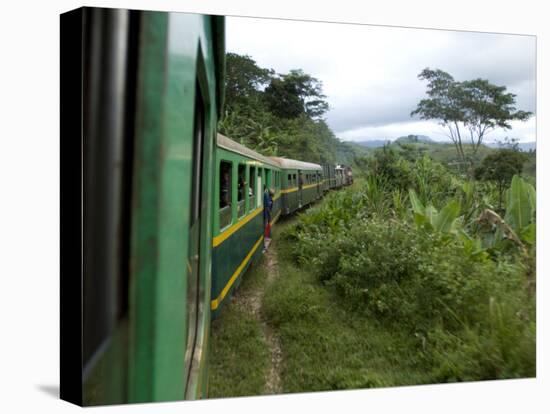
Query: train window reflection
column 241, row 190
column 225, row 193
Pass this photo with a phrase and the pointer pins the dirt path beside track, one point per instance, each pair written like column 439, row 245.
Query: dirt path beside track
column 252, row 303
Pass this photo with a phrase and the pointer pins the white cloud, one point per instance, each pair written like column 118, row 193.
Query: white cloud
column 369, row 73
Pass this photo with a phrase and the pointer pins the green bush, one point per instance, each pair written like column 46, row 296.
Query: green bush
column 432, row 181
column 500, row 345
column 408, row 277
column 409, row 250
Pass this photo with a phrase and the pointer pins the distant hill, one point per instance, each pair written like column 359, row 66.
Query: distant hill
column 523, row 146
column 373, row 143
column 376, row 143
column 414, row 138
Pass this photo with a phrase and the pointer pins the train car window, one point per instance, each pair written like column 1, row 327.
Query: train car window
column 196, row 185
column 259, row 187
column 225, row 193
column 195, row 219
column 251, row 191
column 241, row 190
column 268, row 179
column 108, row 120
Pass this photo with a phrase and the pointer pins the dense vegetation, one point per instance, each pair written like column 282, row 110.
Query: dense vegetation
column 423, row 271
column 425, row 253
column 280, row 114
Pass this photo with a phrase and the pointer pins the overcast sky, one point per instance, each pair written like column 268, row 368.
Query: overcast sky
column 370, row 73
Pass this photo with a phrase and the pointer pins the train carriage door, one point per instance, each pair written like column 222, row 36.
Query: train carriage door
column 193, row 255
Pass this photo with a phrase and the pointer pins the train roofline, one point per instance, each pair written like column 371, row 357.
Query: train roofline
column 230, row 145
column 287, row 163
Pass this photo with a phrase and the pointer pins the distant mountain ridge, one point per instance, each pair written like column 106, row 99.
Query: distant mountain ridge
column 376, row 143
column 415, row 138
column 523, row 146
column 373, row 143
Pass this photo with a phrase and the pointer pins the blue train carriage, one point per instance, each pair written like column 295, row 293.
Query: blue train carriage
column 242, row 175
column 152, row 93
column 301, row 183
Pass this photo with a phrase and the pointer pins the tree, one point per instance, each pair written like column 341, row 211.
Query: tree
column 283, row 99
column 476, row 105
column 499, row 167
column 279, row 114
column 488, row 107
column 296, row 93
column 410, row 151
column 244, row 80
column 445, row 104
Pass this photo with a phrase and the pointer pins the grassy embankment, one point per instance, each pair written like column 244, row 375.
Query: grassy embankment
column 327, row 346
column 239, row 356
column 324, row 345
column 370, row 294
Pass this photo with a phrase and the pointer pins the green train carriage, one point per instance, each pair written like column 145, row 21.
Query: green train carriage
column 151, row 86
column 326, row 178
column 238, row 221
column 301, row 183
column 165, row 243
column 330, row 176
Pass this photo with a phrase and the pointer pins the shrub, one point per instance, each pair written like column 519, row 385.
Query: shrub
column 406, row 276
column 501, row 345
column 426, row 272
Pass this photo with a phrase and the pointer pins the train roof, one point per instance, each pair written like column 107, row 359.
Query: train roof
column 230, row 145
column 294, row 164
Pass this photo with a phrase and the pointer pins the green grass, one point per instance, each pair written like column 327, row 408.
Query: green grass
column 239, row 356
column 328, row 346
column 325, row 346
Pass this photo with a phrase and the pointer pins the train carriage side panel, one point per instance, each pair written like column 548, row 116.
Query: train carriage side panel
column 238, row 221
column 154, row 80
column 299, row 188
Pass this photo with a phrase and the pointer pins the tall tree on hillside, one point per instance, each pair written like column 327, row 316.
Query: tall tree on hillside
column 476, row 106
column 279, row 114
column 244, row 80
column 245, row 117
column 445, row 104
column 296, row 93
column 488, row 107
